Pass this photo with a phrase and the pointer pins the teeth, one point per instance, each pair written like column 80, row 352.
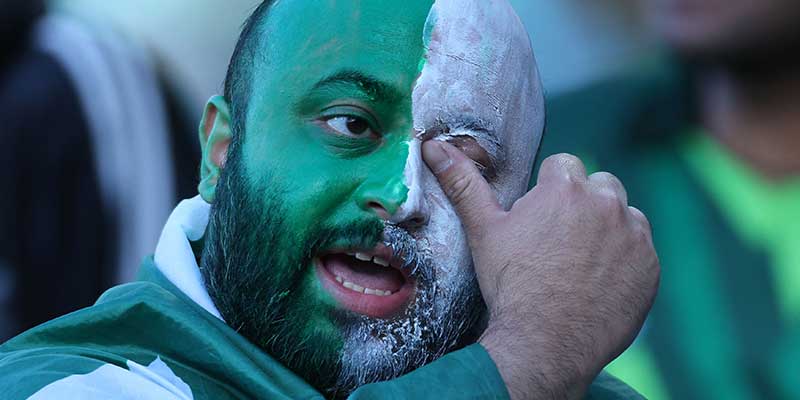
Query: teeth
column 366, row 257
column 352, row 286
column 380, row 261
column 363, row 257
column 360, row 289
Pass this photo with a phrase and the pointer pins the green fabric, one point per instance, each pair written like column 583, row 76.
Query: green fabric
column 701, row 320
column 724, row 324
column 760, row 210
column 607, row 387
column 141, row 321
column 638, row 365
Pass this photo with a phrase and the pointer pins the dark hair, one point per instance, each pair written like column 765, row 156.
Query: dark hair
column 238, row 79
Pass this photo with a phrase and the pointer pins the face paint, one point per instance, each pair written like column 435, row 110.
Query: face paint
column 343, row 96
column 479, row 81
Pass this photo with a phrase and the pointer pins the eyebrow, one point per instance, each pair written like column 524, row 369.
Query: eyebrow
column 374, row 88
column 471, row 123
column 482, row 129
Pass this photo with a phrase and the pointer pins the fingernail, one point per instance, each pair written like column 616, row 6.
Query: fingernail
column 436, row 157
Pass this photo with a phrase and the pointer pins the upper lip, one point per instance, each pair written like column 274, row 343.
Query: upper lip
column 378, row 255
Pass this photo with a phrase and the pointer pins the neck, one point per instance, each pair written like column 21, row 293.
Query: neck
column 756, row 115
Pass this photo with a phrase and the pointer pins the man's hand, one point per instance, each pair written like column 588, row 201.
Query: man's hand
column 568, row 274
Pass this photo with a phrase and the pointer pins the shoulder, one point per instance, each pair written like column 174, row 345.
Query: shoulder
column 96, row 350
column 75, row 344
column 124, row 308
column 48, row 376
column 117, row 318
column 143, row 330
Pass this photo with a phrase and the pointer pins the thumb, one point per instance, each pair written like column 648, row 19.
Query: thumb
column 471, row 195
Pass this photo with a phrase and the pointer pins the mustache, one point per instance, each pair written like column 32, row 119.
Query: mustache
column 414, row 252
column 363, row 234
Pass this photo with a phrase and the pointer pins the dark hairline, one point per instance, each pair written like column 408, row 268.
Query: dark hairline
column 238, row 78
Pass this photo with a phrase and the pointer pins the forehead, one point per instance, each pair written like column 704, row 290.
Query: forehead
column 480, row 66
column 308, row 39
column 462, row 62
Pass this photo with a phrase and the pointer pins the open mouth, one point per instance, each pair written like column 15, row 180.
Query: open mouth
column 369, row 282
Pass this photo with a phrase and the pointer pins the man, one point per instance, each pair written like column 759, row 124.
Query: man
column 364, row 155
column 708, row 146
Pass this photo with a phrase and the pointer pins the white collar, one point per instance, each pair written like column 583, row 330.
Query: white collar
column 174, row 256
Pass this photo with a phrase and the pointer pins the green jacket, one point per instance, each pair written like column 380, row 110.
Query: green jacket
column 148, row 340
column 716, row 329
column 199, row 356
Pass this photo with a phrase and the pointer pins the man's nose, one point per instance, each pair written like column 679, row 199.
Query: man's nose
column 393, row 202
column 399, row 199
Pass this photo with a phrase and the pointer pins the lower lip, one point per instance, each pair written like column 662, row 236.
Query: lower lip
column 366, row 304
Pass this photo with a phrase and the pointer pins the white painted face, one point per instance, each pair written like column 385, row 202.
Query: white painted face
column 480, row 82
column 479, row 89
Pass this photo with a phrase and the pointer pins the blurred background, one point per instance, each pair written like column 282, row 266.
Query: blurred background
column 575, row 41
column 693, row 103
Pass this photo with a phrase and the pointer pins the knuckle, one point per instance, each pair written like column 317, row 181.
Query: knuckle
column 551, row 161
column 602, row 176
column 608, row 195
column 637, row 214
column 606, row 181
column 641, row 220
column 570, row 188
column 608, row 201
column 564, row 164
column 563, row 158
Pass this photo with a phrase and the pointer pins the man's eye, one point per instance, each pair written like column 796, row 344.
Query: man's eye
column 470, row 147
column 350, row 126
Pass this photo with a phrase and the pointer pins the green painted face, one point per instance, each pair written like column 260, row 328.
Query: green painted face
column 330, row 114
column 330, row 243
column 342, row 62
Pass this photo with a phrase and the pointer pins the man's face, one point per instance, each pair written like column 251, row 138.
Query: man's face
column 331, row 244
column 724, row 28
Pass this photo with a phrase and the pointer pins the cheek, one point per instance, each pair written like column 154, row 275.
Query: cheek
column 322, row 198
column 312, row 185
column 444, row 235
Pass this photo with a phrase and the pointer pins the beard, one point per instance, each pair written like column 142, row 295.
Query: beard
column 255, row 266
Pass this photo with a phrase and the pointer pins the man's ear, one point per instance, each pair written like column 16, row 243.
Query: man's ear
column 215, row 137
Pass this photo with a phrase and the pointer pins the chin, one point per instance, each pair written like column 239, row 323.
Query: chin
column 444, row 314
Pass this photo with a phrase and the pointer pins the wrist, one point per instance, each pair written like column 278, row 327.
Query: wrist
column 533, row 366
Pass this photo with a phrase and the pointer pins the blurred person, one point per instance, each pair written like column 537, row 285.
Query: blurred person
column 363, row 230
column 87, row 166
column 707, row 140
